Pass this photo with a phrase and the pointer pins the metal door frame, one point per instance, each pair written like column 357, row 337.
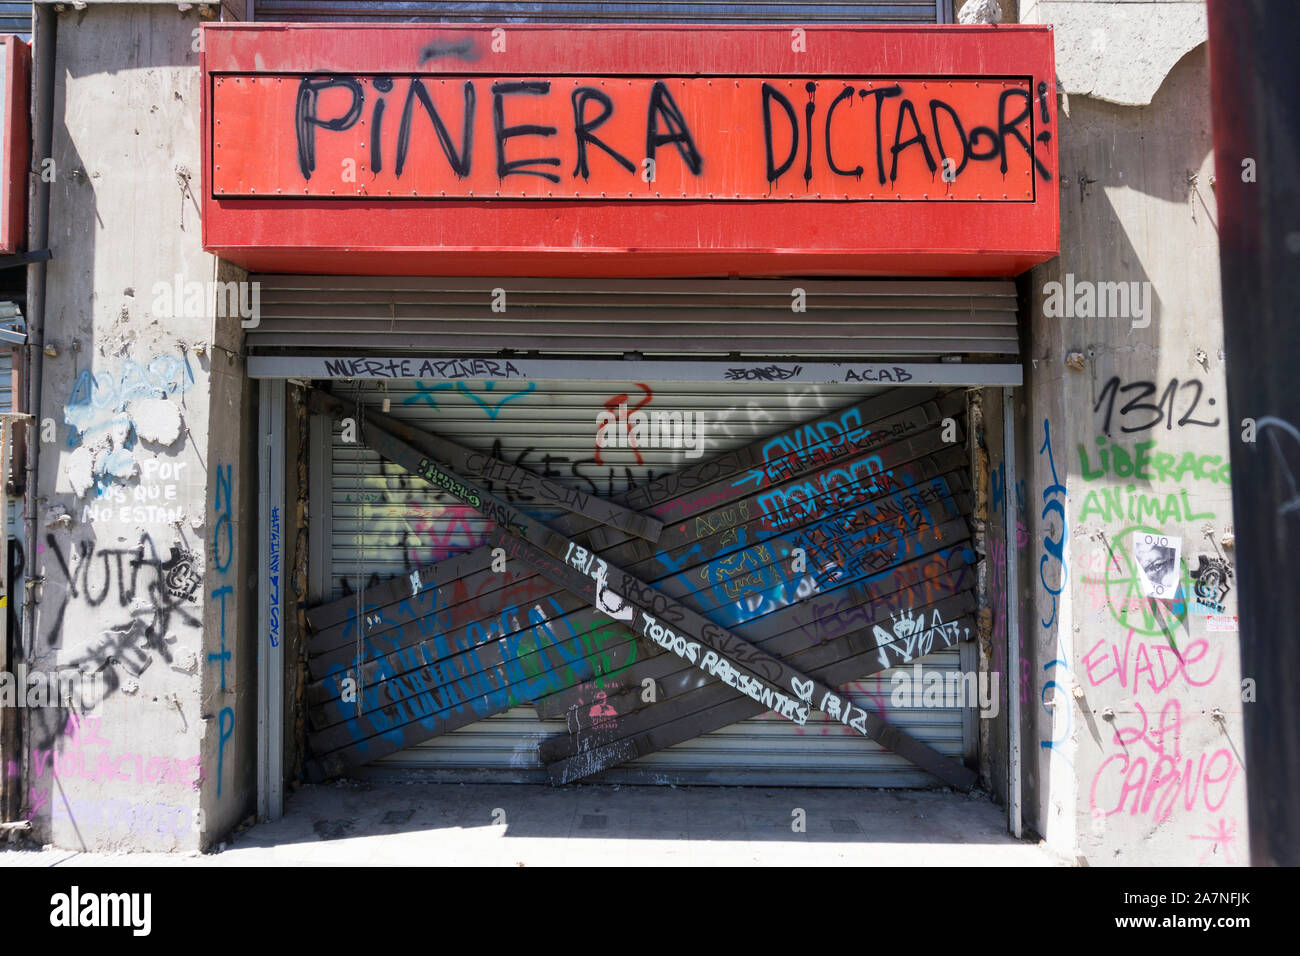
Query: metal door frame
column 274, row 373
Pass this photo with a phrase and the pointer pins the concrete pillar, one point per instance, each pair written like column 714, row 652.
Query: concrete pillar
column 1133, row 715
column 147, row 499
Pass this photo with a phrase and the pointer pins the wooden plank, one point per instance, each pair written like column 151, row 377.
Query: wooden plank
column 405, row 709
column 880, row 629
column 654, row 615
column 430, row 637
column 394, row 663
column 483, row 466
column 434, row 653
column 600, row 758
column 706, row 483
column 879, row 432
column 875, row 648
column 455, row 714
column 687, row 546
column 894, row 590
column 683, row 534
column 681, row 582
column 766, row 679
column 437, row 711
column 838, row 600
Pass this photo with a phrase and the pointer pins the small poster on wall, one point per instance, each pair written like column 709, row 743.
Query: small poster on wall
column 1157, row 559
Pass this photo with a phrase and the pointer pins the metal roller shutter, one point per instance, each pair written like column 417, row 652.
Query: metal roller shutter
column 16, row 18
column 380, row 522
column 592, row 11
column 357, row 315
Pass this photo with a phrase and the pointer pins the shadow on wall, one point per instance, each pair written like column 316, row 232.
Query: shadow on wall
column 1097, row 244
column 1156, row 150
column 145, row 20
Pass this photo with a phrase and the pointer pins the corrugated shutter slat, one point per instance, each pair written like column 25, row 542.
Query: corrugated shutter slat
column 843, row 319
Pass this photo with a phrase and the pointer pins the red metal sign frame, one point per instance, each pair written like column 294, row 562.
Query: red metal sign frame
column 520, row 149
column 16, row 145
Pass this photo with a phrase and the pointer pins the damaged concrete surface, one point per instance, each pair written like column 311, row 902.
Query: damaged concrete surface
column 1118, row 52
column 353, row 822
column 156, row 420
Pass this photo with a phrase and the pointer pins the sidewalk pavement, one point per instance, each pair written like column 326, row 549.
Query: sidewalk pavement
column 361, row 822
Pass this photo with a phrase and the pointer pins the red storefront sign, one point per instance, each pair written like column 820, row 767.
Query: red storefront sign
column 624, row 138
column 572, row 151
column 15, row 142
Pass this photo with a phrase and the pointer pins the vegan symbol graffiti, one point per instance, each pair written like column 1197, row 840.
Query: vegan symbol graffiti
column 1126, row 594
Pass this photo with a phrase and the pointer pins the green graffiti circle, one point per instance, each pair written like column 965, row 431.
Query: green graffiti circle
column 1124, row 597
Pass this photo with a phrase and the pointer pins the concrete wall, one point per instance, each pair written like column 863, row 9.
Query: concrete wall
column 146, row 494
column 1133, row 725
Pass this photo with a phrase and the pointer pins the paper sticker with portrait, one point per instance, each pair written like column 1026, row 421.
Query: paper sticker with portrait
column 1157, row 558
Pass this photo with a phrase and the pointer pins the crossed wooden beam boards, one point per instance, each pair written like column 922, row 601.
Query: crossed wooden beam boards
column 697, row 564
